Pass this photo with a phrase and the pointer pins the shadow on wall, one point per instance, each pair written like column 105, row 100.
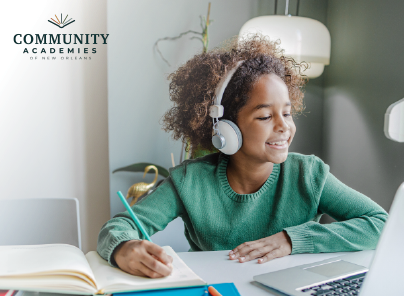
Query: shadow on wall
column 95, row 205
column 355, row 150
column 347, row 161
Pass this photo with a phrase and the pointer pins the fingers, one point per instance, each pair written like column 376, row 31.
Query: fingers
column 156, row 259
column 274, row 246
column 143, row 258
column 266, row 253
column 169, row 257
column 271, row 255
column 143, row 270
column 245, row 249
column 155, row 266
column 158, row 252
column 256, row 253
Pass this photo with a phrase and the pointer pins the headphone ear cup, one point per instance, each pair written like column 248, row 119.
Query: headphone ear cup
column 232, row 134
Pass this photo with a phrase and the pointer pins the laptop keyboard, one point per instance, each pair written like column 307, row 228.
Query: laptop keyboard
column 343, row 287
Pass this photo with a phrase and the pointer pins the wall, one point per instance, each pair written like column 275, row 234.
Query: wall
column 138, row 88
column 363, row 79
column 53, row 114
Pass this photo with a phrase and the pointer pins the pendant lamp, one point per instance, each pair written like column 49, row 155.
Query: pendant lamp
column 302, row 38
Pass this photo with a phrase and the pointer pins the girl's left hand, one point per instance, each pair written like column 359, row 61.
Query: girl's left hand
column 266, row 249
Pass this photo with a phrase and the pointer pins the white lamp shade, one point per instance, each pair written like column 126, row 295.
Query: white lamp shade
column 302, row 38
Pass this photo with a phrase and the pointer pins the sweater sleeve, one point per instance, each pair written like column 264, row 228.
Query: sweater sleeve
column 154, row 212
column 359, row 219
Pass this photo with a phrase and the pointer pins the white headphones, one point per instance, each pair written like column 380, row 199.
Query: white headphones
column 226, row 134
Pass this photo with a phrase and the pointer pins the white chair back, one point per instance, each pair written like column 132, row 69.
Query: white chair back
column 33, row 221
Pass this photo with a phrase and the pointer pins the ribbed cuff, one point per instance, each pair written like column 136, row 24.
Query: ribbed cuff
column 302, row 241
column 115, row 242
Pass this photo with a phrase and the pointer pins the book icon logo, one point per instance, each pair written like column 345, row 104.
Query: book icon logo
column 61, row 24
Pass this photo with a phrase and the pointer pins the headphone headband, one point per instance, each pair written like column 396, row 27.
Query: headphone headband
column 216, row 110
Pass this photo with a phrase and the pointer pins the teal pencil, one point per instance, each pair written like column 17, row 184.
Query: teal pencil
column 132, row 214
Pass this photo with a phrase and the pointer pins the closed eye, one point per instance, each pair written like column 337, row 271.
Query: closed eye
column 269, row 117
column 264, row 118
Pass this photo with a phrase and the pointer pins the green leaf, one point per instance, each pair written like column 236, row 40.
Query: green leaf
column 139, row 167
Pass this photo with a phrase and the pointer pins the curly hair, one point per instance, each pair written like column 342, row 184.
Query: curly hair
column 192, row 86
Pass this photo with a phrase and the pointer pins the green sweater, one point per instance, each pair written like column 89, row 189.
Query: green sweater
column 293, row 198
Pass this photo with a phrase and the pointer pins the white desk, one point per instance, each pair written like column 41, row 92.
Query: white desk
column 215, row 267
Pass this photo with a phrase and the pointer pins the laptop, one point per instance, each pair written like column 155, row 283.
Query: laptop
column 365, row 273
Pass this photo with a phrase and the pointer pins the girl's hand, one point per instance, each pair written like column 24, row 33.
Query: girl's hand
column 268, row 248
column 143, row 258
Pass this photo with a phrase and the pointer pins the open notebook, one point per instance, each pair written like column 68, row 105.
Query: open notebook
column 61, row 268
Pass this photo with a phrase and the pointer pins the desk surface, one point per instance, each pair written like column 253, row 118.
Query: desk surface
column 215, row 267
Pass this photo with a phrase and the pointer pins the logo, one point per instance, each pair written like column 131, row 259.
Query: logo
column 61, row 24
column 74, row 46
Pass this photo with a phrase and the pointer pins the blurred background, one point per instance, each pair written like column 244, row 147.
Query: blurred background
column 66, row 126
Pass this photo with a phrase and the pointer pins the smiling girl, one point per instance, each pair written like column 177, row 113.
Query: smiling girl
column 256, row 199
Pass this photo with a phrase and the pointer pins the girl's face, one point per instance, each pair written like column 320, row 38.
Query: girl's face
column 266, row 122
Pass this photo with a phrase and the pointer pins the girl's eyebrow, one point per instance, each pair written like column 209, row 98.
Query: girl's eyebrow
column 269, row 105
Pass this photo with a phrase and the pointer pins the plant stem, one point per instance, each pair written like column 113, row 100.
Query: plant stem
column 188, row 153
column 205, row 36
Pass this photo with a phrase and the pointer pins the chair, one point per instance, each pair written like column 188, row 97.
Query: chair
column 32, row 221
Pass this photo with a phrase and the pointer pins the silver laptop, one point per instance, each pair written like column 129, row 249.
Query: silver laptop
column 348, row 274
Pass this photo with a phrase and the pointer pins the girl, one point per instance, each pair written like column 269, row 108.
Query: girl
column 254, row 198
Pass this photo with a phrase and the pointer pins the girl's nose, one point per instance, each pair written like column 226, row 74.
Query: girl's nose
column 281, row 124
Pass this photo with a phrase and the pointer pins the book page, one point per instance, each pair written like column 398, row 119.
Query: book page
column 44, row 260
column 49, row 284
column 114, row 280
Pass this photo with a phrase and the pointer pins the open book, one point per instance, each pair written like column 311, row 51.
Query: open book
column 61, row 268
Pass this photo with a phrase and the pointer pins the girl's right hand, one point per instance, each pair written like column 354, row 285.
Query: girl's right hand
column 143, row 258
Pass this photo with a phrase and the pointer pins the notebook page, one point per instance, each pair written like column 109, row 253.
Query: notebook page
column 43, row 259
column 50, row 284
column 115, row 280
